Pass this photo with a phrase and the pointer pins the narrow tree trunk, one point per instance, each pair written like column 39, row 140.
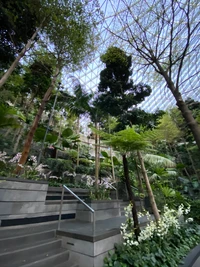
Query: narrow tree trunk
column 16, row 134
column 191, row 160
column 18, row 139
column 131, row 196
column 112, row 165
column 96, row 158
column 8, row 132
column 21, row 54
column 78, row 148
column 149, row 190
column 34, row 126
column 139, row 178
column 179, row 158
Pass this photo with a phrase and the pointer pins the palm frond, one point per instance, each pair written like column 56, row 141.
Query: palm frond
column 159, row 160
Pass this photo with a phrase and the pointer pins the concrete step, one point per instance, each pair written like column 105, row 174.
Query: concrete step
column 54, row 259
column 69, row 263
column 10, row 243
column 55, row 201
column 29, row 253
column 19, row 230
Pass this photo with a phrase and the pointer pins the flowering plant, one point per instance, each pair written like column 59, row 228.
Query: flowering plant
column 169, row 221
column 163, row 243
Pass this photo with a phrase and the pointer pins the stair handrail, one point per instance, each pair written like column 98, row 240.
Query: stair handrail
column 77, row 197
column 114, row 189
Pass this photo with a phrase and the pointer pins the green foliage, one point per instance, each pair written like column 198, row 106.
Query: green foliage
column 159, row 161
column 101, row 194
column 78, row 103
column 167, row 129
column 86, row 170
column 167, row 195
column 69, row 139
column 18, row 20
column 127, row 140
column 37, row 79
column 164, row 243
column 9, row 116
column 117, row 93
column 58, row 166
column 59, row 182
column 195, row 210
column 167, row 253
column 67, row 132
column 40, row 133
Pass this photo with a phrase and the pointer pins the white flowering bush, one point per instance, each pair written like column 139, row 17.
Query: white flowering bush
column 29, row 171
column 170, row 219
column 160, row 244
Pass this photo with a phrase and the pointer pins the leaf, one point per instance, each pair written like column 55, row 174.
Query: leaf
column 67, row 132
column 104, row 154
column 156, row 159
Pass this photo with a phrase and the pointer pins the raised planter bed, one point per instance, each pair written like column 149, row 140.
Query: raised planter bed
column 104, row 209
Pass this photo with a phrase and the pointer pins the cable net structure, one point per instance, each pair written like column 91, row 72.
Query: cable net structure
column 168, row 28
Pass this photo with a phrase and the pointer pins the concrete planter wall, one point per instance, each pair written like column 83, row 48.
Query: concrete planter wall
column 104, row 209
column 24, row 201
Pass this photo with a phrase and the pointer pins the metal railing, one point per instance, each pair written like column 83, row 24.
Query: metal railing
column 114, row 189
column 77, row 197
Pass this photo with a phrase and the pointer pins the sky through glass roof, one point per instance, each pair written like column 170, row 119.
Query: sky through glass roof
column 114, row 14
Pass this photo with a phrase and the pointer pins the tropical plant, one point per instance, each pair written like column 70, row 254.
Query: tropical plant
column 10, row 116
column 126, row 141
column 118, row 96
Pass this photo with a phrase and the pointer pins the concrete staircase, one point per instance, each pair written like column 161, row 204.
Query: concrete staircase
column 32, row 246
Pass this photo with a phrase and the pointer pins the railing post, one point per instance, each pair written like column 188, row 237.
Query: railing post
column 94, row 222
column 61, row 204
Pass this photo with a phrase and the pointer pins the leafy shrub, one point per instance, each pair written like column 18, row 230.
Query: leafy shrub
column 195, row 210
column 58, row 166
column 101, row 194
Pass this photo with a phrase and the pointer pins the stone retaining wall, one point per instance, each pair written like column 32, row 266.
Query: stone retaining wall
column 24, row 199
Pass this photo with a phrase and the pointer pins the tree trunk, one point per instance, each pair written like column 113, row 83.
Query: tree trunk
column 131, row 196
column 149, row 190
column 112, row 165
column 34, row 126
column 96, row 158
column 180, row 159
column 21, row 54
column 19, row 136
column 78, row 148
column 186, row 113
column 191, row 160
column 139, row 178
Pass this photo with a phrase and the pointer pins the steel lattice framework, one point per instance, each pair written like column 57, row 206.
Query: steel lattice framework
column 112, row 25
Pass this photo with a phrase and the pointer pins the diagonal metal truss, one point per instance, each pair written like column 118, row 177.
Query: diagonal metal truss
column 114, row 12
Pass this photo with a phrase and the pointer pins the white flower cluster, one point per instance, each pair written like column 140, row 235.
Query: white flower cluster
column 3, row 157
column 16, row 158
column 33, row 159
column 170, row 219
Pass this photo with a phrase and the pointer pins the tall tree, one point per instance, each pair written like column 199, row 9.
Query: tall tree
column 127, row 141
column 52, row 18
column 118, row 96
column 70, row 41
column 78, row 104
column 163, row 36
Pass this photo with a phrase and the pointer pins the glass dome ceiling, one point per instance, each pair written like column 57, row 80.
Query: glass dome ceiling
column 113, row 21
